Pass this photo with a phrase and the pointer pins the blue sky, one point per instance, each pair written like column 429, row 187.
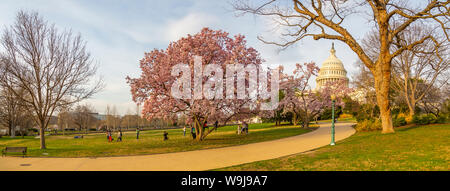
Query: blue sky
column 118, row 32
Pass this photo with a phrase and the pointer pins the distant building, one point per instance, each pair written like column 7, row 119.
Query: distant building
column 332, row 70
column 98, row 116
column 255, row 119
column 3, row 131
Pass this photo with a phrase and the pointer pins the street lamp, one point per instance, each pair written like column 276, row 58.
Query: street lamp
column 333, row 99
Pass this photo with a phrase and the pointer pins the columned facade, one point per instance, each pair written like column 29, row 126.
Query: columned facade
column 332, row 70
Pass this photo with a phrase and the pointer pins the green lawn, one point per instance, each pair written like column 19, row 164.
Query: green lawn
column 412, row 148
column 150, row 142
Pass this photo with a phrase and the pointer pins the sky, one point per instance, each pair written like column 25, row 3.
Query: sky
column 119, row 32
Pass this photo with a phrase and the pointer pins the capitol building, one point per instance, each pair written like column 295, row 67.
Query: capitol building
column 332, row 70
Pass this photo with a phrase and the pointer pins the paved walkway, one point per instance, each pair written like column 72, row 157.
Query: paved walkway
column 187, row 161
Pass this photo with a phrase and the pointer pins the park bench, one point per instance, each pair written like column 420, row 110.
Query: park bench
column 22, row 150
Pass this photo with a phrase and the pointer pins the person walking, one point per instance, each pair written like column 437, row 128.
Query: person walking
column 193, row 132
column 119, row 136
column 205, row 126
column 166, row 136
column 245, row 127
column 184, row 131
column 216, row 125
column 137, row 133
column 110, row 136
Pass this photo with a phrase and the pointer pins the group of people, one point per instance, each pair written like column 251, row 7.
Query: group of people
column 242, row 128
column 205, row 126
column 110, row 138
column 138, row 131
column 119, row 135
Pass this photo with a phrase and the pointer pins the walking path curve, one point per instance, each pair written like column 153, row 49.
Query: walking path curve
column 190, row 160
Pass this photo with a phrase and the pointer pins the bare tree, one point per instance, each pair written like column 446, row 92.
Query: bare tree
column 320, row 19
column 363, row 82
column 12, row 111
column 109, row 118
column 126, row 119
column 112, row 118
column 115, row 118
column 83, row 118
column 130, row 120
column 415, row 71
column 433, row 101
column 418, row 70
column 53, row 67
column 65, row 119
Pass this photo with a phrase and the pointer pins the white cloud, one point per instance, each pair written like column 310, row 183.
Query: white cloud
column 190, row 24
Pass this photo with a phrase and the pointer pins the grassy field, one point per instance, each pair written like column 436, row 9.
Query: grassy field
column 150, row 142
column 411, row 149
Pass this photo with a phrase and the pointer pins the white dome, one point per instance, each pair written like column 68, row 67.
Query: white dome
column 332, row 70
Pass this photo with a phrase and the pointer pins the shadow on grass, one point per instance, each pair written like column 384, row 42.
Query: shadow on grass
column 407, row 127
column 283, row 125
column 415, row 126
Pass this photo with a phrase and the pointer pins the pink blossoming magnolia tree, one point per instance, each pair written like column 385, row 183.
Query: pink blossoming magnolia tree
column 153, row 87
column 304, row 102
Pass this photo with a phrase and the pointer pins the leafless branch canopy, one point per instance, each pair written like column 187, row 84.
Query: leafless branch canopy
column 325, row 19
column 53, row 67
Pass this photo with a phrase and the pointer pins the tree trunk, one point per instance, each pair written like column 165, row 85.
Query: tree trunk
column 10, row 129
column 411, row 112
column 411, row 107
column 305, row 117
column 382, row 85
column 42, row 136
column 199, row 133
column 305, row 124
column 294, row 118
column 198, row 129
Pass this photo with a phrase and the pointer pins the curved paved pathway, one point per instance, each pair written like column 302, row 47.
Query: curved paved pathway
column 190, row 160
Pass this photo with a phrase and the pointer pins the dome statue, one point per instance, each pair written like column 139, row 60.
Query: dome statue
column 332, row 70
